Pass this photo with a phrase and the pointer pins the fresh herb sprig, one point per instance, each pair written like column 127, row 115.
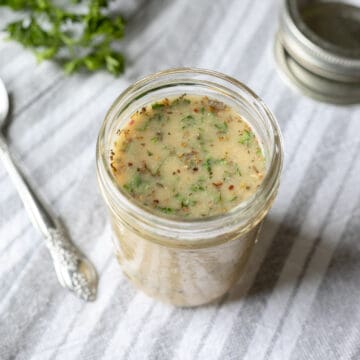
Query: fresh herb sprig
column 78, row 37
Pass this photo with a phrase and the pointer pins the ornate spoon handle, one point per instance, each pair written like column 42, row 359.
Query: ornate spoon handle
column 73, row 270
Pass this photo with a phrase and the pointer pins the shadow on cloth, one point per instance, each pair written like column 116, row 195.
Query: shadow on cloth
column 268, row 269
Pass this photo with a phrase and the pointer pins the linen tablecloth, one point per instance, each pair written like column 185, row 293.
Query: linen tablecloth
column 300, row 298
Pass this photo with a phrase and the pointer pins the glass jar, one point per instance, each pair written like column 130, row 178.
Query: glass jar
column 187, row 262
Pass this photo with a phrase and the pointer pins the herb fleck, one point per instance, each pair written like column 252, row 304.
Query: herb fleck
column 157, row 106
column 165, row 210
column 222, row 127
column 246, row 137
column 188, row 121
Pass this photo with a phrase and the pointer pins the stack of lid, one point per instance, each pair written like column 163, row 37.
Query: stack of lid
column 317, row 48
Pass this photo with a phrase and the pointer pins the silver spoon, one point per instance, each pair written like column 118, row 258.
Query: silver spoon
column 73, row 270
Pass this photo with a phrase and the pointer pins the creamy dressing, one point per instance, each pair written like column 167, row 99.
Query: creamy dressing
column 189, row 157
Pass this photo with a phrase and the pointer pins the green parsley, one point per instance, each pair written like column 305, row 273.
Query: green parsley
column 187, row 202
column 208, row 166
column 77, row 39
column 222, row 127
column 246, row 137
column 198, row 186
column 165, row 210
column 157, row 106
column 188, row 121
column 158, row 137
column 134, row 184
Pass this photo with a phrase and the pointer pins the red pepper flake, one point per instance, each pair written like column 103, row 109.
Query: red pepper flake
column 217, row 184
column 196, row 110
column 156, row 201
column 231, row 187
column 130, row 164
column 178, row 171
column 132, row 122
column 195, row 169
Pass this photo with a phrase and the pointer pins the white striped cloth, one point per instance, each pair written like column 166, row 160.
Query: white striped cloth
column 300, row 296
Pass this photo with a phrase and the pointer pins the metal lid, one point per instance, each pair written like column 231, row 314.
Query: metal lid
column 318, row 48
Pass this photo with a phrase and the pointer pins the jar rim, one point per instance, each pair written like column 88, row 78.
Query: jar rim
column 198, row 228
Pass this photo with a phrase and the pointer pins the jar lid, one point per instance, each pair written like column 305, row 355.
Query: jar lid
column 318, row 49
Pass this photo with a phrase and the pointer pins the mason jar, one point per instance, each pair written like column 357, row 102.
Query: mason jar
column 187, row 262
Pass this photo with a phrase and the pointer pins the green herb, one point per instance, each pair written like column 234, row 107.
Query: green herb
column 258, row 151
column 187, row 202
column 234, row 198
column 77, row 39
column 222, row 127
column 157, row 117
column 188, row 121
column 202, row 110
column 246, row 137
column 158, row 137
column 200, row 137
column 137, row 180
column 144, row 126
column 165, row 210
column 208, row 165
column 180, row 100
column 218, row 198
column 149, row 153
column 134, row 184
column 198, row 186
column 157, row 106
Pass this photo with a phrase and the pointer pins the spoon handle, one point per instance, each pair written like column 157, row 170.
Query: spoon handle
column 73, row 270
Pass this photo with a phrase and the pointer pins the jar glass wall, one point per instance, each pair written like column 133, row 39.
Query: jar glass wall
column 187, row 262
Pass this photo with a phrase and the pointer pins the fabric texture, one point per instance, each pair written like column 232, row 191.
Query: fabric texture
column 300, row 296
